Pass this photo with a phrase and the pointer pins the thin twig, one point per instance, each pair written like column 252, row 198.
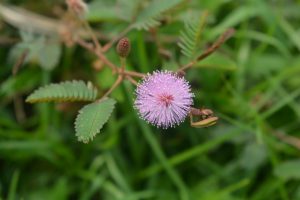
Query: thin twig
column 293, row 141
column 129, row 78
column 123, row 64
column 8, row 41
column 135, row 74
column 107, row 46
column 84, row 44
column 114, row 86
column 106, row 61
column 20, row 62
column 122, row 70
column 225, row 36
column 93, row 36
column 102, row 57
column 19, row 109
column 98, row 53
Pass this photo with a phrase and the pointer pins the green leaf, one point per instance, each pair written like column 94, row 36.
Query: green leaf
column 217, row 61
column 128, row 9
column 43, row 50
column 148, row 17
column 288, row 169
column 253, row 156
column 49, row 55
column 91, row 119
column 190, row 38
column 102, row 11
column 65, row 91
column 290, row 32
column 237, row 16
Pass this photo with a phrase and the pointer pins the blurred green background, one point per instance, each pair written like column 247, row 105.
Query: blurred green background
column 252, row 83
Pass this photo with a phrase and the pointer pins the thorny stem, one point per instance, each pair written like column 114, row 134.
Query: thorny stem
column 225, row 36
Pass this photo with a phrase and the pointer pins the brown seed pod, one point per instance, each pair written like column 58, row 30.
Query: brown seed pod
column 123, row 47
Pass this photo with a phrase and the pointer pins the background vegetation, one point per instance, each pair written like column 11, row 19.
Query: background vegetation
column 252, row 83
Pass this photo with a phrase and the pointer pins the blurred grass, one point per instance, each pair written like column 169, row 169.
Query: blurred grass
column 252, row 83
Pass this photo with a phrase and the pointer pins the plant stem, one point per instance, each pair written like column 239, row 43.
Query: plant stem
column 91, row 32
column 115, row 39
column 98, row 53
column 114, row 86
column 131, row 80
column 102, row 57
column 134, row 73
column 217, row 44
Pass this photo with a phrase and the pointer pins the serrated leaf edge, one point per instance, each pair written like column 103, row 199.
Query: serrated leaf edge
column 89, row 95
column 91, row 137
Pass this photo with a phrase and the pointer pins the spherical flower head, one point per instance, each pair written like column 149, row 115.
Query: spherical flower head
column 163, row 99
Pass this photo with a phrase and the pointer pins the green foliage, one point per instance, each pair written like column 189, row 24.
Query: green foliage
column 128, row 9
column 150, row 15
column 218, row 61
column 65, row 91
column 45, row 51
column 252, row 83
column 91, row 119
column 102, row 11
column 288, row 170
column 190, row 38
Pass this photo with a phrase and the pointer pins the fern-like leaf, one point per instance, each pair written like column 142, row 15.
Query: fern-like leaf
column 91, row 119
column 65, row 91
column 149, row 16
column 190, row 38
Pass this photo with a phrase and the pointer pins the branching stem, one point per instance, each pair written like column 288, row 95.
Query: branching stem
column 102, row 57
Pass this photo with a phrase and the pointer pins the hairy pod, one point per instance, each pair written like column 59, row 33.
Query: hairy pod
column 123, row 47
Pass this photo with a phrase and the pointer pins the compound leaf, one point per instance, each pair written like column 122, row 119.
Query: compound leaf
column 91, row 119
column 190, row 38
column 149, row 16
column 65, row 91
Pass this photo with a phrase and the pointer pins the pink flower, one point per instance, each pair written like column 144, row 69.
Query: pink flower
column 163, row 99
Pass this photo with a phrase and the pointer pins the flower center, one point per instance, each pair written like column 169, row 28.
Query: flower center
column 166, row 99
